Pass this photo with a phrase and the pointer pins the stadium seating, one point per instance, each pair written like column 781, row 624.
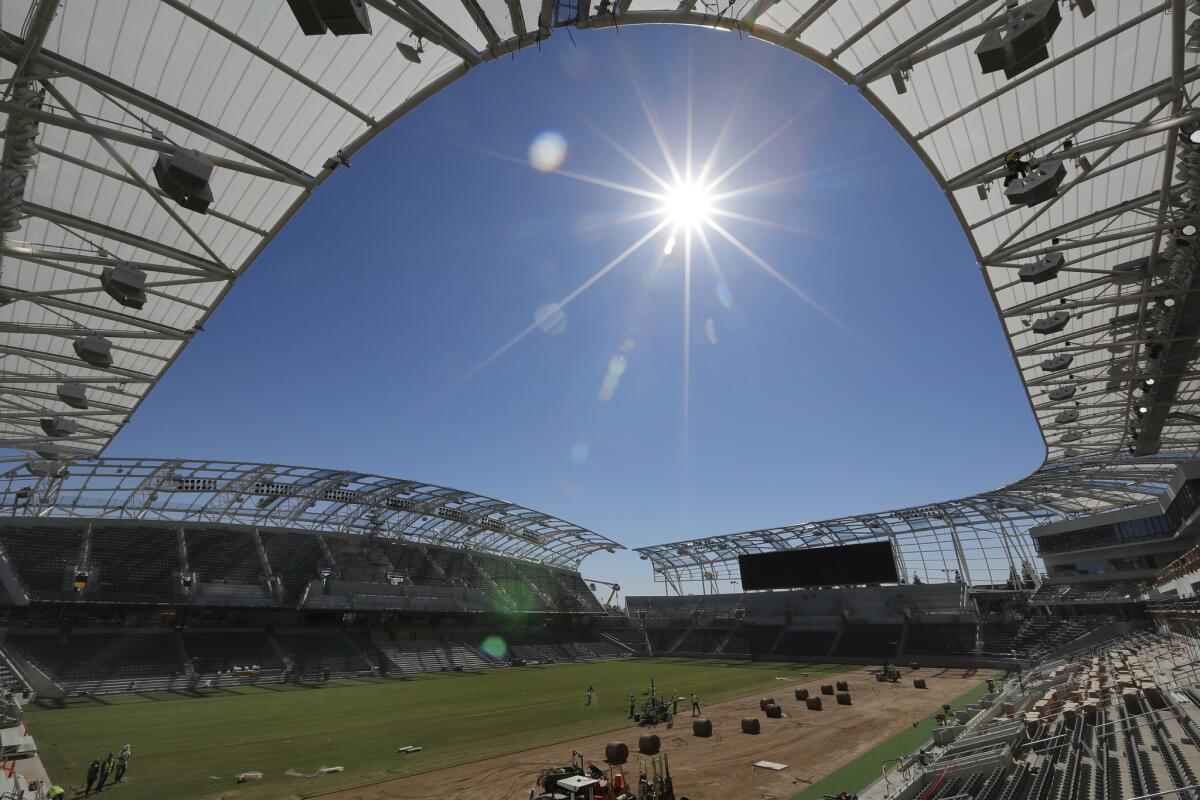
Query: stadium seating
column 103, row 661
column 801, row 643
column 935, row 639
column 296, row 559
column 43, row 558
column 217, row 651
column 869, row 641
column 998, row 637
column 134, row 565
column 223, row 556
column 318, row 652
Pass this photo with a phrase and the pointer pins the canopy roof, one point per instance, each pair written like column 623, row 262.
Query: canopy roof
column 276, row 496
column 275, row 111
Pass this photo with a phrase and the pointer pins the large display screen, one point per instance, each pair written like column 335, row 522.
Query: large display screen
column 845, row 565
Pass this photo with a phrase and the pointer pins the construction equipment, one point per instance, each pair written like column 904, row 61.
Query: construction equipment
column 582, row 780
column 654, row 780
column 655, row 708
column 889, row 674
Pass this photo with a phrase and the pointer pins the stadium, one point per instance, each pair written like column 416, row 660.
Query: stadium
column 262, row 630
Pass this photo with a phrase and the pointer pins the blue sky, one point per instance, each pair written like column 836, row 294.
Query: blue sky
column 354, row 341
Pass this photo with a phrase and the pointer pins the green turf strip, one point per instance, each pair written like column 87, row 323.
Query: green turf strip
column 193, row 746
column 856, row 775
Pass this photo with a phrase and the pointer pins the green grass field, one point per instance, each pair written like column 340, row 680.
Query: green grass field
column 193, row 746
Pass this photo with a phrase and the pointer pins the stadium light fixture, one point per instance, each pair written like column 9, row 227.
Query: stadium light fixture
column 411, row 53
column 1189, row 229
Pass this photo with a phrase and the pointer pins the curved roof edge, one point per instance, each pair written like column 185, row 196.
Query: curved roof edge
column 279, row 496
column 982, row 537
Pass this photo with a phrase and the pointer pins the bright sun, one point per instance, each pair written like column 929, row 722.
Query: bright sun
column 687, row 204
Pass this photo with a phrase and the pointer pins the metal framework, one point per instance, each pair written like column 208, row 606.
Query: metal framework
column 276, row 496
column 982, row 538
column 276, row 112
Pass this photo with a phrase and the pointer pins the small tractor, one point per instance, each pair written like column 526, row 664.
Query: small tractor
column 654, row 707
column 582, row 781
column 888, row 674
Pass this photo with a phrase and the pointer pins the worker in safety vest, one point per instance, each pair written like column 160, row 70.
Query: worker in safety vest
column 106, row 770
column 1014, row 167
column 631, row 705
column 695, row 706
column 56, row 793
column 123, row 763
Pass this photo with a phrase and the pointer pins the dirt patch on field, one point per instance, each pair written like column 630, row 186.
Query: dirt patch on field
column 812, row 744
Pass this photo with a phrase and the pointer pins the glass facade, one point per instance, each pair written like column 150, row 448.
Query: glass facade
column 1161, row 526
column 1134, row 530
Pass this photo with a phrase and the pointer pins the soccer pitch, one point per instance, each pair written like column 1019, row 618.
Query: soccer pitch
column 193, row 745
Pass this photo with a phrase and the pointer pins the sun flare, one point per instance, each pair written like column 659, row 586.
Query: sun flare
column 688, row 204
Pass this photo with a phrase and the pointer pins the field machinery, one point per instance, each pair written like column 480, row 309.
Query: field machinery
column 654, row 708
column 582, row 780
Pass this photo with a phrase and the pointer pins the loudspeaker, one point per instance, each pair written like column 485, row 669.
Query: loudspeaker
column 1038, row 185
column 126, row 285
column 339, row 17
column 184, row 176
column 95, row 350
column 1053, row 323
column 73, row 394
column 1044, row 269
column 59, row 427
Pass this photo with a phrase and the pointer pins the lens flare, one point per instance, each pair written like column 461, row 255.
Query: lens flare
column 548, row 151
column 495, row 647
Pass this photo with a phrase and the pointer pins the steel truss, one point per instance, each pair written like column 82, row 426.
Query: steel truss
column 277, row 496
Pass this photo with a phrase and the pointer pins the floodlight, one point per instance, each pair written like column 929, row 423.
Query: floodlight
column 899, row 82
column 411, row 53
column 1142, row 409
column 1194, row 136
column 1149, row 381
column 1189, row 229
column 1169, row 302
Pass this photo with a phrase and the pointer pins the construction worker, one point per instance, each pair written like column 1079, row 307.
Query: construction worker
column 695, row 705
column 674, row 704
column 589, row 696
column 631, row 705
column 1014, row 167
column 123, row 763
column 106, row 770
column 56, row 793
column 92, row 774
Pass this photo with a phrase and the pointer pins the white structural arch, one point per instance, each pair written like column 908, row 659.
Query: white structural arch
column 105, row 87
